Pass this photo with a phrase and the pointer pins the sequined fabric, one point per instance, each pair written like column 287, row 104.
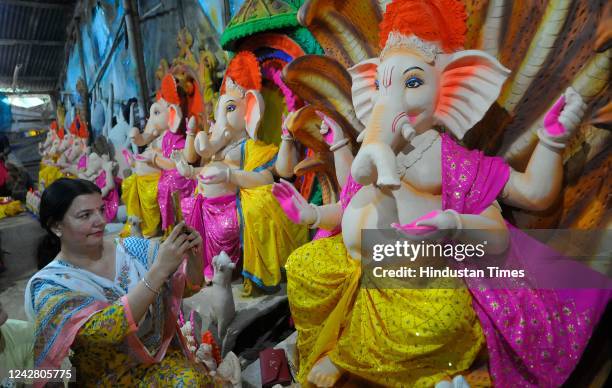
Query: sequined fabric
column 535, row 337
column 139, row 194
column 348, row 191
column 216, row 219
column 47, row 175
column 171, row 181
column 111, row 201
column 392, row 337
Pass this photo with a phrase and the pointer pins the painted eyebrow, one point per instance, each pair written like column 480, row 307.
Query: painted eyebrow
column 412, row 68
column 229, row 101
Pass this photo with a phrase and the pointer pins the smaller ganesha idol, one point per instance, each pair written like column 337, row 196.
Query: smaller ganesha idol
column 101, row 170
column 53, row 150
column 147, row 192
column 73, row 159
column 234, row 210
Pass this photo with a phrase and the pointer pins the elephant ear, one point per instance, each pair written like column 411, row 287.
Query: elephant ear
column 175, row 116
column 471, row 81
column 254, row 112
column 363, row 87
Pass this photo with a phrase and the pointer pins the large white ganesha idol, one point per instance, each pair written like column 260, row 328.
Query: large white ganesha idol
column 416, row 100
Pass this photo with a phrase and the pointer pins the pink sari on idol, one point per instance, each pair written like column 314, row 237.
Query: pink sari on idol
column 171, row 180
column 61, row 298
column 216, row 219
column 535, row 330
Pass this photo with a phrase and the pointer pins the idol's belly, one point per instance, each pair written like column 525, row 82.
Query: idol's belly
column 215, row 190
column 372, row 208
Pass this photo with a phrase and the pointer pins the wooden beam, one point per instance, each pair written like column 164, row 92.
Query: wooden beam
column 36, row 4
column 85, row 106
column 132, row 27
column 27, row 42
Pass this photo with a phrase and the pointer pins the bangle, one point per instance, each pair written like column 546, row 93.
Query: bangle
column 458, row 223
column 148, row 285
column 153, row 162
column 339, row 145
column 315, row 225
column 228, row 175
column 548, row 140
column 191, row 134
column 287, row 137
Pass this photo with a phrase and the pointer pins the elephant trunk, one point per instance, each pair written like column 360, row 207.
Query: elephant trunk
column 376, row 160
column 208, row 146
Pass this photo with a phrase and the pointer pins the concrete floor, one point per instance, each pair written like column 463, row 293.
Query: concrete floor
column 12, row 296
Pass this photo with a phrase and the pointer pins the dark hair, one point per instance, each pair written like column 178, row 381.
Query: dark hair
column 54, row 203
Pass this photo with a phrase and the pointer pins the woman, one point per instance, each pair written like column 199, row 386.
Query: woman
column 114, row 305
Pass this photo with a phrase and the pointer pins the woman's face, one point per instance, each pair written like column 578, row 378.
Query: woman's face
column 84, row 222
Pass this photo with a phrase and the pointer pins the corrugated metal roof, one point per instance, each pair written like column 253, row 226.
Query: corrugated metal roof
column 33, row 35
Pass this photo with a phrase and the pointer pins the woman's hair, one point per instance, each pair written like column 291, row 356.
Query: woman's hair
column 54, row 203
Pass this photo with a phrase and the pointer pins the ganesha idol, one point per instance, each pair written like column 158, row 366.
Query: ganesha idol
column 413, row 176
column 101, row 171
column 147, row 193
column 49, row 172
column 234, row 209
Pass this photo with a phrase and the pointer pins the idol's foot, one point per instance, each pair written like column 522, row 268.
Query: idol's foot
column 324, row 373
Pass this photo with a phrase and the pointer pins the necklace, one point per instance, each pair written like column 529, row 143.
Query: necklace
column 227, row 149
column 417, row 154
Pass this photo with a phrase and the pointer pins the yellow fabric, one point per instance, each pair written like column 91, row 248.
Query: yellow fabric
column 268, row 235
column 47, row 175
column 139, row 194
column 270, row 128
column 10, row 209
column 100, row 360
column 257, row 153
column 394, row 337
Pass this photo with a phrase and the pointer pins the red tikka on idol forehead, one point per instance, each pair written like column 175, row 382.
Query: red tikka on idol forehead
column 435, row 21
column 244, row 70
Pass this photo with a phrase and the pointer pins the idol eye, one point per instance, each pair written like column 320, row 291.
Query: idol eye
column 413, row 82
column 377, row 84
column 230, row 108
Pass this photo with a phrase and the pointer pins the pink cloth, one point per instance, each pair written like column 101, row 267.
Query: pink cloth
column 82, row 164
column 3, row 173
column 216, row 219
column 348, row 191
column 535, row 337
column 111, row 201
column 171, row 180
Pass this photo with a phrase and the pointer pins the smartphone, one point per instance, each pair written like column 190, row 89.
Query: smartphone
column 176, row 205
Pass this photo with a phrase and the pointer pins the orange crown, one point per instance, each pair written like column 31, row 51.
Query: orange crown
column 435, row 21
column 243, row 69
column 169, row 90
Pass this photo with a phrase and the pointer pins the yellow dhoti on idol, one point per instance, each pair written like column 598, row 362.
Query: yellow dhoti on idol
column 10, row 209
column 393, row 337
column 268, row 236
column 48, row 174
column 139, row 194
